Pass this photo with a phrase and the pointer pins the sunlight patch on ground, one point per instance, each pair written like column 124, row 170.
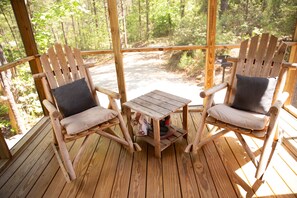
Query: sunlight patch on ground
column 144, row 72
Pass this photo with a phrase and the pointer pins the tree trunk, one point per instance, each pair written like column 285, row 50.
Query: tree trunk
column 29, row 9
column 223, row 8
column 147, row 19
column 15, row 118
column 95, row 14
column 246, row 9
column 107, row 22
column 79, row 33
column 11, row 30
column 182, row 8
column 74, row 31
column 124, row 23
column 14, row 115
column 54, row 34
column 139, row 18
column 64, row 34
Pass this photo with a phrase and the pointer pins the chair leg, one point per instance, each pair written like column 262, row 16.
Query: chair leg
column 63, row 149
column 123, row 127
column 193, row 146
column 64, row 171
column 275, row 146
column 268, row 150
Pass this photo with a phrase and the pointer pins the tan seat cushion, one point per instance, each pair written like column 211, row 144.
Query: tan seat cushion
column 244, row 119
column 89, row 118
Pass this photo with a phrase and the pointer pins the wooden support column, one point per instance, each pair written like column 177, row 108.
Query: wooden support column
column 116, row 43
column 4, row 150
column 292, row 74
column 211, row 41
column 25, row 28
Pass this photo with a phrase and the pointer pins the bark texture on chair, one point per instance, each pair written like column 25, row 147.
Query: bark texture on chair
column 260, row 58
column 64, row 68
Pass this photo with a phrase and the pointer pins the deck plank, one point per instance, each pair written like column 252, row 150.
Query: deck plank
column 232, row 167
column 92, row 175
column 21, row 157
column 45, row 179
column 202, row 172
column 122, row 177
column 56, row 186
column 154, row 175
column 189, row 187
column 224, row 186
column 107, row 176
column 32, row 176
column 11, row 183
column 273, row 178
column 71, row 189
column 170, row 173
column 138, row 179
column 109, row 170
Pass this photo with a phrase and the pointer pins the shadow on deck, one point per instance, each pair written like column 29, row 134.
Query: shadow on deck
column 108, row 170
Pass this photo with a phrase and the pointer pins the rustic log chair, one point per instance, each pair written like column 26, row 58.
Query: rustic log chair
column 64, row 69
column 259, row 58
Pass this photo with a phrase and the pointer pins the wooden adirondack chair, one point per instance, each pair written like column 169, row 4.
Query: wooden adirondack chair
column 262, row 57
column 65, row 73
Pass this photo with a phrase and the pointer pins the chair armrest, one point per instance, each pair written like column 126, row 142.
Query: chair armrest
column 53, row 111
column 290, row 65
column 213, row 90
column 39, row 75
column 89, row 65
column 275, row 108
column 232, row 59
column 108, row 92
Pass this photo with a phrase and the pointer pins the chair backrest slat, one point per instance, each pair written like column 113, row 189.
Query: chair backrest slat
column 277, row 60
column 252, row 51
column 63, row 66
column 268, row 58
column 259, row 60
column 80, row 62
column 63, row 63
column 48, row 71
column 72, row 63
column 242, row 56
column 56, row 68
column 258, row 57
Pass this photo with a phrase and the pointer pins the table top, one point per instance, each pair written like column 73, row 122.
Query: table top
column 157, row 104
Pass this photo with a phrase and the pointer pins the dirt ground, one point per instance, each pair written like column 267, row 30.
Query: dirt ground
column 145, row 72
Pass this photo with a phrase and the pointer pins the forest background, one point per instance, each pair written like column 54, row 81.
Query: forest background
column 85, row 24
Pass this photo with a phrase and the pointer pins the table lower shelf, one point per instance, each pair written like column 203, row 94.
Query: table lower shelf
column 166, row 142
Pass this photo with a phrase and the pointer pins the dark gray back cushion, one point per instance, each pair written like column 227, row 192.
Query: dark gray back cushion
column 74, row 97
column 254, row 93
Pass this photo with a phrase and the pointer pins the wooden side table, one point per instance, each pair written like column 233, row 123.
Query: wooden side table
column 157, row 105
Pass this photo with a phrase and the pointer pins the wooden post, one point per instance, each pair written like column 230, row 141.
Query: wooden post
column 25, row 28
column 292, row 74
column 116, row 43
column 4, row 150
column 211, row 41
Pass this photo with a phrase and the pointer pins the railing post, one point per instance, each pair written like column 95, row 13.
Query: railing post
column 25, row 28
column 292, row 74
column 211, row 41
column 116, row 43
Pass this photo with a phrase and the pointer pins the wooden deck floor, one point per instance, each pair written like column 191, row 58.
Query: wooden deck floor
column 108, row 170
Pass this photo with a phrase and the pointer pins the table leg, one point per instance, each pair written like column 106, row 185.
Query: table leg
column 157, row 138
column 185, row 119
column 130, row 129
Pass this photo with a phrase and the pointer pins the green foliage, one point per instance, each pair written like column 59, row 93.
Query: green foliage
column 192, row 28
column 192, row 62
column 82, row 24
column 3, row 110
column 26, row 96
